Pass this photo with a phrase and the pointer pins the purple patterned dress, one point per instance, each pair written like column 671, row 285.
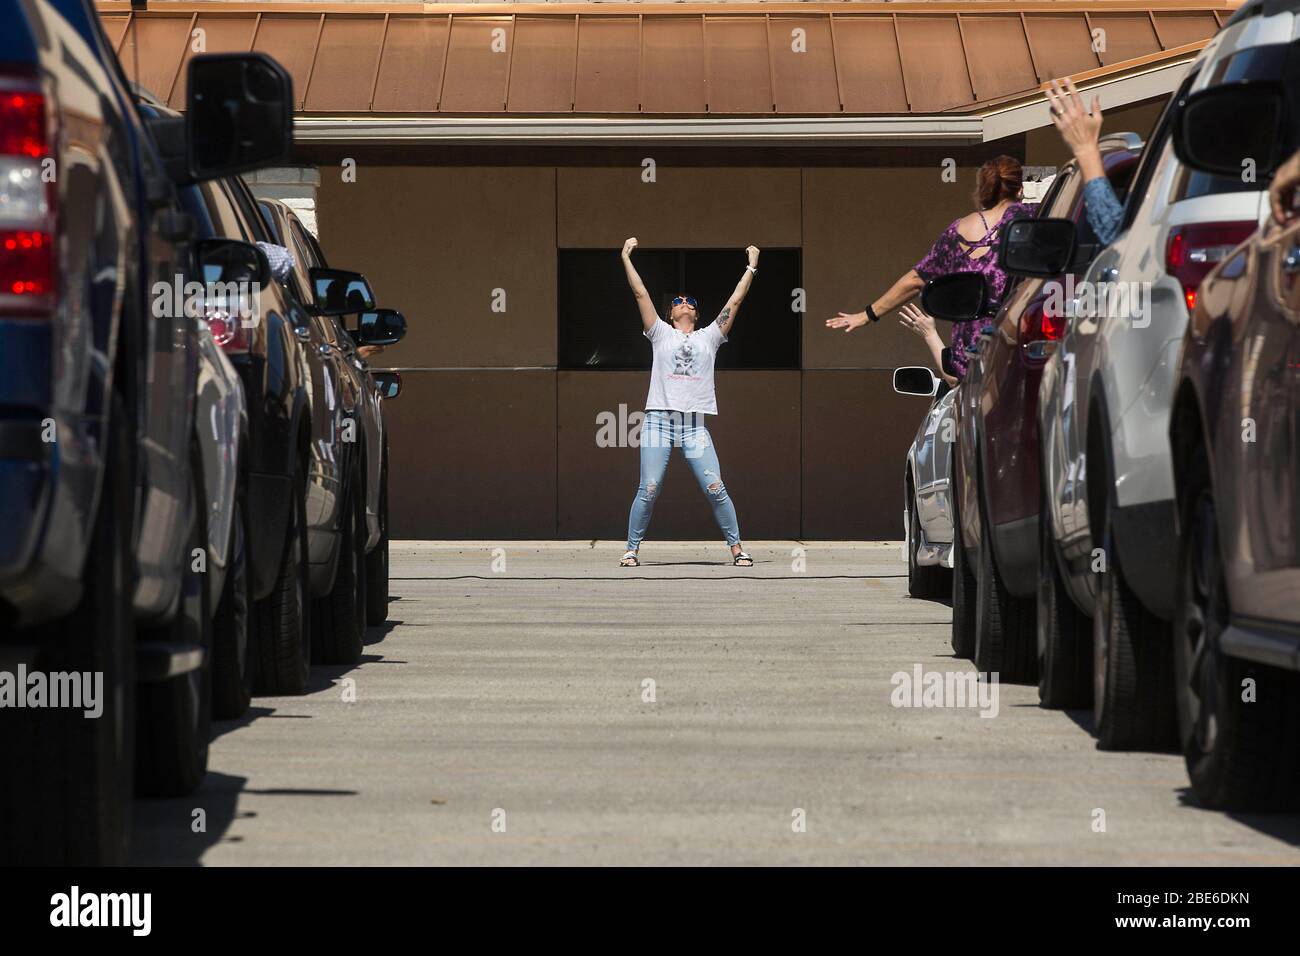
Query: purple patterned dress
column 952, row 252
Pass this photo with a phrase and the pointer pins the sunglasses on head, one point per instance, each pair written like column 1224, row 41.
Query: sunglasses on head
column 686, row 300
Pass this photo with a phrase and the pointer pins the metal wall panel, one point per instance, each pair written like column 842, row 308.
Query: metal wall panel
column 740, row 71
column 346, row 61
column 291, row 40
column 805, row 80
column 999, row 56
column 151, row 50
column 1178, row 28
column 1061, row 42
column 476, row 72
column 672, row 70
column 609, row 60
column 1127, row 36
column 934, row 64
column 410, row 70
column 871, row 74
column 542, row 68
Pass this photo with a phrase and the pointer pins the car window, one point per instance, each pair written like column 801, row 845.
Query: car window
column 226, row 220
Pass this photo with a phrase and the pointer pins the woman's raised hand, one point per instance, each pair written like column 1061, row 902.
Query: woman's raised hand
column 1078, row 125
column 847, row 321
column 916, row 319
column 629, row 246
column 752, row 252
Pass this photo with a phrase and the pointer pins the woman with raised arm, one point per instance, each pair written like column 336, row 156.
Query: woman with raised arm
column 970, row 244
column 681, row 394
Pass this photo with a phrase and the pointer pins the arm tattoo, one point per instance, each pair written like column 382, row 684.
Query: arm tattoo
column 723, row 317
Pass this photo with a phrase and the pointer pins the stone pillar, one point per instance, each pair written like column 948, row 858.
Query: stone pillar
column 295, row 186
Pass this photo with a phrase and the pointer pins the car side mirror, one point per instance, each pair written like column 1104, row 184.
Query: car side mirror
column 1041, row 248
column 956, row 297
column 238, row 114
column 381, row 327
column 915, row 380
column 339, row 292
column 1218, row 130
column 227, row 261
column 388, row 384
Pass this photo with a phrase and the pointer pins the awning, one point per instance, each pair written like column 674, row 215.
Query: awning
column 727, row 71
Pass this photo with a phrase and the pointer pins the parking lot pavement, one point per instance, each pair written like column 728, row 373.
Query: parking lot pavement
column 505, row 718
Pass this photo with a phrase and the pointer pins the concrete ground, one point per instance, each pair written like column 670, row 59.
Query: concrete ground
column 504, row 717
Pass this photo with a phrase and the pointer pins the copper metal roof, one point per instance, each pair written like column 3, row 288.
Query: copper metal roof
column 724, row 59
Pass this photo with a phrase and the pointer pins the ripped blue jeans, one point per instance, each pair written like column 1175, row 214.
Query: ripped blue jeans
column 660, row 434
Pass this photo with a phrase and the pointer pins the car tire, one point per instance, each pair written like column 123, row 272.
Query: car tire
column 174, row 716
column 67, row 799
column 963, row 591
column 338, row 636
column 1064, row 632
column 282, row 645
column 1133, row 667
column 1240, row 754
column 923, row 581
column 232, row 672
column 377, row 562
column 1006, row 636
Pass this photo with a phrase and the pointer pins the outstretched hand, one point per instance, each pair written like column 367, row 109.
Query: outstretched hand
column 1079, row 125
column 752, row 252
column 915, row 319
column 848, row 321
column 629, row 246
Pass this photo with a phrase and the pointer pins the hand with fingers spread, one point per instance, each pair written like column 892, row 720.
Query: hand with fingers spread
column 1079, row 125
column 915, row 319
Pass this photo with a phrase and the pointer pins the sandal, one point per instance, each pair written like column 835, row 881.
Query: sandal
column 742, row 560
column 629, row 560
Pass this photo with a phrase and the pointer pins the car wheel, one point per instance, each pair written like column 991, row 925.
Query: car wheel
column 339, row 617
column 232, row 675
column 1064, row 632
column 963, row 591
column 174, row 716
column 282, row 645
column 1238, row 721
column 1005, row 633
column 1133, row 668
column 67, row 797
column 377, row 563
column 923, row 581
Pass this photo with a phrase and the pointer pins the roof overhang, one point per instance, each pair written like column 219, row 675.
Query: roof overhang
column 710, row 74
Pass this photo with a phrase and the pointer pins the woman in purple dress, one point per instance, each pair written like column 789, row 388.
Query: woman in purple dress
column 970, row 244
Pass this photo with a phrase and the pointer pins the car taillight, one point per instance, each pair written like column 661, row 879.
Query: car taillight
column 228, row 331
column 1194, row 249
column 28, row 195
column 1037, row 323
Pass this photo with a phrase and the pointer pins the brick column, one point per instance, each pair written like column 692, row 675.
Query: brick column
column 295, row 186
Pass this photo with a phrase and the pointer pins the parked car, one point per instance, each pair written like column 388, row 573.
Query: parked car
column 1000, row 477
column 379, row 328
column 927, row 515
column 1235, row 442
column 1105, row 398
column 101, row 484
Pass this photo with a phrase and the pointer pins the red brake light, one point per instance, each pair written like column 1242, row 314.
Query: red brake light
column 28, row 196
column 22, row 124
column 1037, row 323
column 1194, row 249
column 228, row 331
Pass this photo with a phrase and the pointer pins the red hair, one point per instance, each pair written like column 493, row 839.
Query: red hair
column 998, row 179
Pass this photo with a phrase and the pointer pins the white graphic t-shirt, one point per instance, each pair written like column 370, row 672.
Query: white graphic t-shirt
column 681, row 379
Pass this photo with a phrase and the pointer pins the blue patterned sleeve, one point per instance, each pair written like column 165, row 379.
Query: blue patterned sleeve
column 1103, row 207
